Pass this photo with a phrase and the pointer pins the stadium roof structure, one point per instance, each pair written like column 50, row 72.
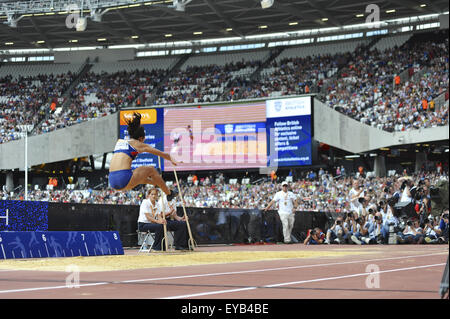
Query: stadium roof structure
column 48, row 24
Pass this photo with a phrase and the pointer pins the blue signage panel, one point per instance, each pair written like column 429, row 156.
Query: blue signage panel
column 289, row 132
column 153, row 122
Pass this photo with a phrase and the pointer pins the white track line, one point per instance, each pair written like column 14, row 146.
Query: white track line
column 297, row 282
column 219, row 274
column 51, row 288
column 276, row 269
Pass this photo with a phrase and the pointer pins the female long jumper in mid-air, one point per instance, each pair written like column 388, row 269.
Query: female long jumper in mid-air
column 121, row 176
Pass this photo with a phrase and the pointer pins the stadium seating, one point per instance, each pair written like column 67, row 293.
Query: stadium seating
column 33, row 70
column 355, row 77
column 366, row 91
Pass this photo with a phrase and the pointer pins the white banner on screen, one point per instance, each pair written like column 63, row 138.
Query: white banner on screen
column 288, row 107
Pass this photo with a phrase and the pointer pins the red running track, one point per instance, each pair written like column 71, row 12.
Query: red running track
column 381, row 272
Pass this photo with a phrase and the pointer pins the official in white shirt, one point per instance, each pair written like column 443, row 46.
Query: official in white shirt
column 151, row 219
column 354, row 195
column 287, row 201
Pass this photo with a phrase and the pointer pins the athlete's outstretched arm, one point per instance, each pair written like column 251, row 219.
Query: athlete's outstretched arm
column 145, row 148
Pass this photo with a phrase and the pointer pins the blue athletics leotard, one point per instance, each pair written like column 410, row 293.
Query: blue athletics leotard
column 120, row 179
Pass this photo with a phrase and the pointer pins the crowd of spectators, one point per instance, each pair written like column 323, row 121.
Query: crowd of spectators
column 84, row 196
column 100, row 94
column 202, row 84
column 362, row 84
column 288, row 76
column 369, row 88
column 37, row 100
column 26, row 100
column 318, row 191
column 364, row 204
column 382, row 227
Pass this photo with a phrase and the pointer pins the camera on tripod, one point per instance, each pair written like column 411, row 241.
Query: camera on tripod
column 404, row 209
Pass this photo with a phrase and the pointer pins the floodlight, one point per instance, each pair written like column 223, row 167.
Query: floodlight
column 266, row 3
column 11, row 21
column 180, row 5
column 81, row 24
column 97, row 14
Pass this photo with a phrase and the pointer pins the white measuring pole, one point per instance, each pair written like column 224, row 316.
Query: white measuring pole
column 6, row 217
column 26, row 163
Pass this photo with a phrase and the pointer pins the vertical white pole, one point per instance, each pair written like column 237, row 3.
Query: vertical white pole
column 6, row 217
column 159, row 164
column 26, row 164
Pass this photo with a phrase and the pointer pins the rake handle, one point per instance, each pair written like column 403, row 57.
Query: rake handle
column 191, row 239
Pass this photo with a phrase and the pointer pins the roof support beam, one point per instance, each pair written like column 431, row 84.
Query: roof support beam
column 326, row 14
column 110, row 30
column 407, row 4
column 200, row 24
column 136, row 31
column 290, row 9
column 435, row 8
column 43, row 35
column 15, row 34
column 227, row 20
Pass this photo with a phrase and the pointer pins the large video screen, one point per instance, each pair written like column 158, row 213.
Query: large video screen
column 231, row 136
column 216, row 137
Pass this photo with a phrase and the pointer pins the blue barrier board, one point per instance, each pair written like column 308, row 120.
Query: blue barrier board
column 44, row 244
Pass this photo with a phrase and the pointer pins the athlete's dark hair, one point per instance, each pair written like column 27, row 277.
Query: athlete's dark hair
column 134, row 126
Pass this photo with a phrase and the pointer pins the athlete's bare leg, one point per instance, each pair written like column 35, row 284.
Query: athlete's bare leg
column 147, row 175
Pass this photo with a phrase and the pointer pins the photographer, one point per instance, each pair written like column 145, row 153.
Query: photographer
column 363, row 207
column 378, row 233
column 337, row 232
column 390, row 218
column 420, row 201
column 443, row 227
column 354, row 195
column 388, row 191
column 412, row 234
column 382, row 208
column 360, row 231
column 419, row 237
column 426, row 184
column 429, row 233
column 371, row 210
column 406, row 184
column 348, row 221
column 315, row 237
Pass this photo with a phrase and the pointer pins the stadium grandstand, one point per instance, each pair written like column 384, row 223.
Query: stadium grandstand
column 347, row 102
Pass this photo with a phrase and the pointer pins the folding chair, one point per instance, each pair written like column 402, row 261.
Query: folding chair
column 147, row 239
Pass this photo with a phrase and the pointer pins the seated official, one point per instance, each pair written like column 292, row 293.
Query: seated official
column 151, row 219
column 175, row 223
